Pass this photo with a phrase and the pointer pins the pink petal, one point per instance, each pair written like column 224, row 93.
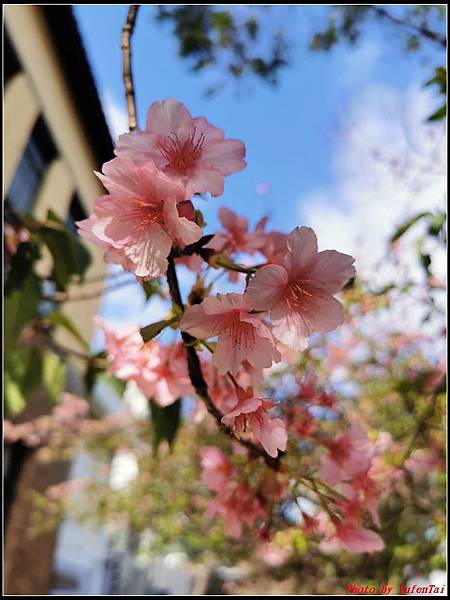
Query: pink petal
column 266, row 288
column 205, row 179
column 226, row 156
column 198, row 323
column 180, row 229
column 358, row 539
column 139, row 147
column 302, row 244
column 295, row 327
column 149, row 252
column 231, row 221
column 270, row 432
column 332, row 270
column 222, row 303
column 167, row 117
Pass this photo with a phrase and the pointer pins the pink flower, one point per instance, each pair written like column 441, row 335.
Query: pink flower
column 242, row 335
column 250, row 413
column 235, row 237
column 191, row 151
column 299, row 293
column 124, row 350
column 358, row 539
column 160, row 371
column 217, row 470
column 237, row 504
column 164, row 376
column 138, row 222
column 220, row 387
column 275, row 247
column 347, row 534
column 349, row 456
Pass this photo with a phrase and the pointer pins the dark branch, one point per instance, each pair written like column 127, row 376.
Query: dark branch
column 420, row 29
column 198, row 381
column 127, row 32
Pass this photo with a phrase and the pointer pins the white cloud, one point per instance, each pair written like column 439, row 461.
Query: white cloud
column 116, row 115
column 389, row 165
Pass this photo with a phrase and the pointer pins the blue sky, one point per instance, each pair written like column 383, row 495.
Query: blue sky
column 294, row 133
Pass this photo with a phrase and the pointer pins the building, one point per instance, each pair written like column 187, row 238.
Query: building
column 55, row 136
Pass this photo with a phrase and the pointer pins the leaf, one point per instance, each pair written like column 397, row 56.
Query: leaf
column 440, row 114
column 21, row 265
column 14, row 399
column 165, row 422
column 59, row 318
column 93, row 371
column 402, row 229
column 150, row 331
column 23, row 367
column 20, row 307
column 151, row 288
column 54, row 373
column 70, row 256
column 436, row 224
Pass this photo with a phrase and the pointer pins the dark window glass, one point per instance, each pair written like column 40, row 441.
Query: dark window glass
column 11, row 64
column 39, row 152
column 76, row 213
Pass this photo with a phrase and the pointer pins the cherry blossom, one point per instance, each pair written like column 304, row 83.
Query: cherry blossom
column 299, row 293
column 191, row 151
column 250, row 413
column 349, row 456
column 159, row 371
column 242, row 335
column 139, row 221
column 235, row 236
column 217, row 470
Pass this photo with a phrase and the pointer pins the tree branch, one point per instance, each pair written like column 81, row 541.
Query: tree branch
column 421, row 30
column 194, row 368
column 198, row 381
column 127, row 32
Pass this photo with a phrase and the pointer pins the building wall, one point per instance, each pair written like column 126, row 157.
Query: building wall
column 39, row 109
column 39, row 88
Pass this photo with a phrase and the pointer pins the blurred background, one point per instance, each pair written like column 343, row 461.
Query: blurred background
column 342, row 110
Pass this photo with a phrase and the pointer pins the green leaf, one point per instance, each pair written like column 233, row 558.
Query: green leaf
column 436, row 224
column 20, row 307
column 14, row 399
column 151, row 288
column 70, row 257
column 21, row 265
column 440, row 114
column 54, row 373
column 60, row 319
column 150, row 331
column 23, row 367
column 165, row 422
column 402, row 229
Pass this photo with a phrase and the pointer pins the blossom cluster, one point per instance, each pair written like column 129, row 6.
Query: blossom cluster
column 146, row 219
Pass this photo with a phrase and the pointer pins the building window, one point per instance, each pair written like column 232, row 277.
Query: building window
column 11, row 64
column 38, row 154
column 76, row 213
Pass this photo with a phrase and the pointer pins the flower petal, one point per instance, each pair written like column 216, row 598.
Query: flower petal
column 266, row 288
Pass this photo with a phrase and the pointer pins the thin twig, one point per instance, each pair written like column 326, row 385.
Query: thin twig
column 198, row 381
column 127, row 32
column 434, row 36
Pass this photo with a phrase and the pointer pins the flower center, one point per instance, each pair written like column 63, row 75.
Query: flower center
column 182, row 154
column 242, row 333
column 144, row 214
column 299, row 296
